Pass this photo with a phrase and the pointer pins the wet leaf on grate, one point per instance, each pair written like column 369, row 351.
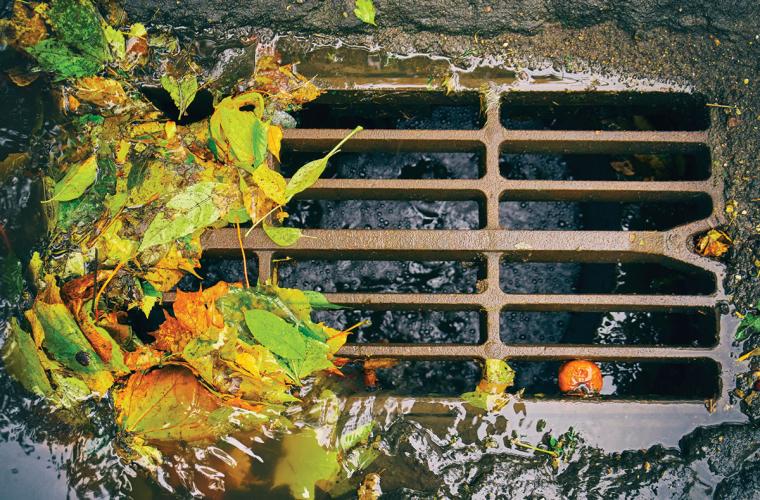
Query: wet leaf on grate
column 21, row 360
column 750, row 325
column 282, row 236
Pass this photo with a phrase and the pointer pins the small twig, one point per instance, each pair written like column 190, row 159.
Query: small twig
column 242, row 251
column 105, row 284
column 260, row 220
column 534, row 448
column 95, row 285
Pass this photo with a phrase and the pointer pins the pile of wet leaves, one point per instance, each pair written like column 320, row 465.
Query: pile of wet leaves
column 128, row 193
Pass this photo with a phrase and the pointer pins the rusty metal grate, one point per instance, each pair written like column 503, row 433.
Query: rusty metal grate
column 492, row 243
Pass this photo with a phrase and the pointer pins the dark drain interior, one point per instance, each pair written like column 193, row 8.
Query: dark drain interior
column 538, row 230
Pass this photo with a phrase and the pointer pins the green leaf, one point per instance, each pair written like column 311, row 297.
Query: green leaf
column 365, row 11
column 19, row 355
column 351, row 439
column 195, row 209
column 116, row 41
column 314, row 360
column 55, row 57
column 499, row 372
column 307, row 175
column 67, row 344
column 181, row 91
column 276, row 334
column 260, row 141
column 750, row 324
column 76, row 181
column 282, row 236
column 303, row 463
column 231, row 128
column 237, row 215
column 319, row 301
column 77, row 24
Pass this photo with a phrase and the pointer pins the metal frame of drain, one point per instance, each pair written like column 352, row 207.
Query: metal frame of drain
column 492, row 243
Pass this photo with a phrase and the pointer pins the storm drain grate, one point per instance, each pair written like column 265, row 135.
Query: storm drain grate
column 582, row 126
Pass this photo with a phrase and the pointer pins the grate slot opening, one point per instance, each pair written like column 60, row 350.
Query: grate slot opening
column 595, row 111
column 683, row 379
column 382, row 276
column 691, row 328
column 390, row 165
column 421, row 377
column 604, row 278
column 603, row 216
column 402, row 110
column 385, row 214
column 215, row 269
column 645, row 166
column 410, row 326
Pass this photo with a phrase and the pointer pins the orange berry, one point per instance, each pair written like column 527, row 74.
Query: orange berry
column 580, row 377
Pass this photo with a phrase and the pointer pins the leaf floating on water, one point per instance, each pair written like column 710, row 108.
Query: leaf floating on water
column 304, row 464
column 103, row 92
column 55, row 57
column 282, row 236
column 365, row 11
column 181, row 91
column 78, row 24
column 76, row 181
column 168, row 404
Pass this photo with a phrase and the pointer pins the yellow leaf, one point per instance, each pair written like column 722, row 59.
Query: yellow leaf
column 122, row 151
column 274, row 140
column 170, row 128
column 714, row 244
column 103, row 92
column 271, row 183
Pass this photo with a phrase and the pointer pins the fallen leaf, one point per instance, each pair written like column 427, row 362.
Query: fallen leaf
column 181, row 91
column 365, row 11
column 304, row 463
column 274, row 140
column 103, row 92
column 282, row 236
column 167, row 404
column 713, row 244
column 276, row 334
column 21, row 361
column 77, row 179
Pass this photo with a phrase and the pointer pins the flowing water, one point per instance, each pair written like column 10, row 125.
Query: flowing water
column 427, row 447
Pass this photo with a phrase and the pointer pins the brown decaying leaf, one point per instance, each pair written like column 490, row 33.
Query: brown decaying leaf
column 713, row 244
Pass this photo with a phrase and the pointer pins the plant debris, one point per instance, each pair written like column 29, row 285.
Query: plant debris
column 130, row 194
column 713, row 244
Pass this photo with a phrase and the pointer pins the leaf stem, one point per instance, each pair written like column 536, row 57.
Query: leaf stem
column 337, row 146
column 242, row 251
column 534, row 448
column 105, row 284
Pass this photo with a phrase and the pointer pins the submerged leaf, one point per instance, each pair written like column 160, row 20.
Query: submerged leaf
column 181, row 91
column 365, row 11
column 78, row 24
column 304, row 463
column 77, row 179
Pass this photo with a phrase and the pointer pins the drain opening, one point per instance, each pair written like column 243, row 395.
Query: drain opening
column 381, row 276
column 392, row 110
column 696, row 379
column 389, row 165
column 603, row 216
column 693, row 328
column 384, row 214
column 626, row 111
column 644, row 166
column 201, row 108
column 421, row 377
column 216, row 269
column 604, row 278
column 410, row 326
